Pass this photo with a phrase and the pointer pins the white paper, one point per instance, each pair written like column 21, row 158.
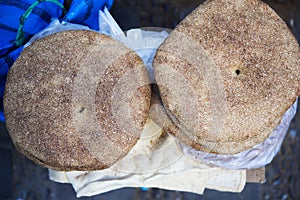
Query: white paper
column 158, row 165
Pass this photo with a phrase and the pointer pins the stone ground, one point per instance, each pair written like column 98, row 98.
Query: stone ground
column 23, row 180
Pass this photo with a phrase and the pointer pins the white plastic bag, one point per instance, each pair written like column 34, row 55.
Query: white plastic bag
column 258, row 156
column 54, row 27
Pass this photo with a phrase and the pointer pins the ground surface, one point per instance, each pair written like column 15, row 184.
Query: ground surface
column 22, row 179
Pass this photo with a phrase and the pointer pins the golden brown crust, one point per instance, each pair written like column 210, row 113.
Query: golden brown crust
column 60, row 105
column 241, row 64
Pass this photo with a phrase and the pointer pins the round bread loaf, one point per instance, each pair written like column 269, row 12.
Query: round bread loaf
column 76, row 100
column 227, row 74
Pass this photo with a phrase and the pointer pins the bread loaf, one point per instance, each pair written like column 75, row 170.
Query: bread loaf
column 227, row 74
column 76, row 100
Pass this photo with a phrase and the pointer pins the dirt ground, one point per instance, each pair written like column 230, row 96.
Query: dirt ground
column 20, row 179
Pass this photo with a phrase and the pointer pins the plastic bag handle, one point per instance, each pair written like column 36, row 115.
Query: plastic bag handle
column 20, row 35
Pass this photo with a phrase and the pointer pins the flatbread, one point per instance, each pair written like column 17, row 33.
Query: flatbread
column 227, row 74
column 76, row 100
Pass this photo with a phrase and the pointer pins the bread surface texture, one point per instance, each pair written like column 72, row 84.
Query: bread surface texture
column 67, row 99
column 227, row 74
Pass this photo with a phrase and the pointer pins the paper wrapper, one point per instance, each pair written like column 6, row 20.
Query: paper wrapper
column 156, row 161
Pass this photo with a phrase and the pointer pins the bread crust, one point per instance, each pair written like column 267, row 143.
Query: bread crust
column 64, row 95
column 240, row 72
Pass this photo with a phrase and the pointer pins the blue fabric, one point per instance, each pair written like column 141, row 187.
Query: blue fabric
column 83, row 12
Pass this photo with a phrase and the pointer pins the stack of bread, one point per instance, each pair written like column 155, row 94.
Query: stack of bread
column 79, row 100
